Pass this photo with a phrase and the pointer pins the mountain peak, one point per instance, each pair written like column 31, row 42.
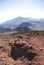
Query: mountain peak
column 19, row 17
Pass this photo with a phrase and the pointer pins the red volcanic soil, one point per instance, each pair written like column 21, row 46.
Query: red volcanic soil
column 22, row 48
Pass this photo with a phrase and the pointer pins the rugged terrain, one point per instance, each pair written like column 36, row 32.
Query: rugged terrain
column 24, row 48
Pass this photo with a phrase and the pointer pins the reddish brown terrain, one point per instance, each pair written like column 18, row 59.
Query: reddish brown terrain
column 22, row 48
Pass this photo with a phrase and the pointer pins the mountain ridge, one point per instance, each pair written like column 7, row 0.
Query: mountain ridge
column 35, row 24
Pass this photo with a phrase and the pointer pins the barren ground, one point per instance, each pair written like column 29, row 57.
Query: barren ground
column 22, row 49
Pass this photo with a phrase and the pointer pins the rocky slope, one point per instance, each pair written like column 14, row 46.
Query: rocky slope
column 26, row 48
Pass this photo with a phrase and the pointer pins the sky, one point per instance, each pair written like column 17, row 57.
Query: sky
column 10, row 9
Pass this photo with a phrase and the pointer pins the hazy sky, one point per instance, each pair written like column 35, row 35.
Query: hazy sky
column 10, row 9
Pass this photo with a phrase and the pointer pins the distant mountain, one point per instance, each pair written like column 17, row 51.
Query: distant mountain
column 21, row 22
column 24, row 26
column 15, row 21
